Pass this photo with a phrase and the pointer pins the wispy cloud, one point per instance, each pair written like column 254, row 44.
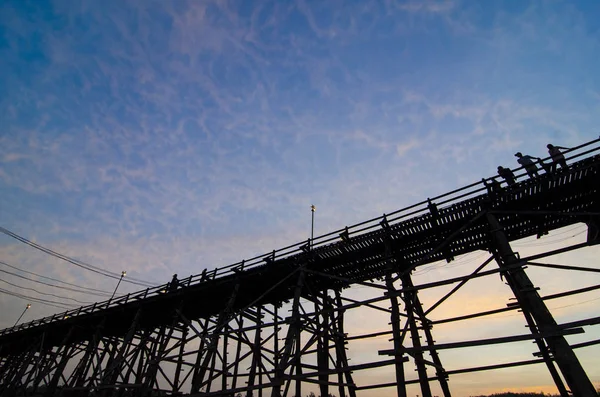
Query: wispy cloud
column 426, row 6
column 169, row 137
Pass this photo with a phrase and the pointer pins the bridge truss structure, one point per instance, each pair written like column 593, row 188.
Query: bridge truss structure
column 276, row 325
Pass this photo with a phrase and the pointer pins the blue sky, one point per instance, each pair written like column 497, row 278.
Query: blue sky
column 167, row 137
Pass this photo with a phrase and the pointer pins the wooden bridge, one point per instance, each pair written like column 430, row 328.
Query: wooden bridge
column 126, row 345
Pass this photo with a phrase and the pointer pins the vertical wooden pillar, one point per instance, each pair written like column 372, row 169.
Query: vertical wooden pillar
column 323, row 343
column 397, row 337
column 113, row 369
column 256, row 359
column 211, row 352
column 238, row 352
column 58, row 372
column 409, row 301
column 530, row 301
column 435, row 358
column 292, row 338
column 340, row 346
column 545, row 354
column 183, row 341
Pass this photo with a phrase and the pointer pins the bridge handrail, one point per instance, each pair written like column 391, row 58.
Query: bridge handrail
column 319, row 241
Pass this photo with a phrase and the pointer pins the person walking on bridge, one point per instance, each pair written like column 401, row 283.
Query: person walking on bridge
column 507, row 174
column 174, row 283
column 557, row 156
column 529, row 164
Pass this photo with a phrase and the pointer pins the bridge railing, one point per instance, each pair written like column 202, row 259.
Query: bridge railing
column 319, row 242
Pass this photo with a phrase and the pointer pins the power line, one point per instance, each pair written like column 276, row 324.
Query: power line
column 551, row 242
column 74, row 261
column 551, row 238
column 92, row 290
column 60, row 305
column 52, row 285
column 464, row 260
column 45, row 293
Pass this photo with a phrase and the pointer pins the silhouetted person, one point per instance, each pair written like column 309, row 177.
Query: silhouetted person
column 433, row 209
column 507, row 174
column 529, row 164
column 547, row 167
column 174, row 283
column 557, row 156
column 493, row 186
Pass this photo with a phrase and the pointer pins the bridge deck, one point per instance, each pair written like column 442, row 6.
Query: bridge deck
column 528, row 208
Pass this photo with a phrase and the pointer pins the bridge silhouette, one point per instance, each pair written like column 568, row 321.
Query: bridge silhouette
column 226, row 332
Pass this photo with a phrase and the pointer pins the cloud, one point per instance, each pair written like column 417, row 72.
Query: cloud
column 402, row 149
column 427, row 6
column 174, row 137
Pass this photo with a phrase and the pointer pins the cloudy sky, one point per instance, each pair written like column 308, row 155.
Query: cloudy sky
column 167, row 137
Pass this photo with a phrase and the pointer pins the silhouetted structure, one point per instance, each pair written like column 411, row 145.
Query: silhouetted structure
column 227, row 331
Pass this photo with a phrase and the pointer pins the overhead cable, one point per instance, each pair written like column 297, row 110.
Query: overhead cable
column 60, row 305
column 82, row 289
column 74, row 261
column 56, row 286
column 45, row 293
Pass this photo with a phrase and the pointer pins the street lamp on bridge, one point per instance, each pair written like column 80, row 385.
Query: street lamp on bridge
column 26, row 307
column 123, row 274
column 312, row 224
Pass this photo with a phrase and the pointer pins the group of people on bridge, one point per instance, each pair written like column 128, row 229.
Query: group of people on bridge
column 530, row 164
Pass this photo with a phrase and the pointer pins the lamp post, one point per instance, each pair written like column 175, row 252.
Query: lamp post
column 123, row 274
column 312, row 225
column 26, row 307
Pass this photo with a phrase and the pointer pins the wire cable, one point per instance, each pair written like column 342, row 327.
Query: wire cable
column 93, row 291
column 469, row 258
column 551, row 242
column 74, row 261
column 45, row 293
column 52, row 285
column 60, row 305
column 551, row 238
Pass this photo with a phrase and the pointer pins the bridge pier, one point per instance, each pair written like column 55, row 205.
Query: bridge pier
column 211, row 351
column 413, row 310
column 15, row 370
column 159, row 351
column 410, row 302
column 322, row 317
column 340, row 350
column 113, row 368
column 256, row 358
column 292, row 338
column 546, row 355
column 65, row 355
column 416, row 310
column 48, row 364
column 138, row 355
column 315, row 332
column 109, row 347
column 78, row 376
column 530, row 302
column 398, row 337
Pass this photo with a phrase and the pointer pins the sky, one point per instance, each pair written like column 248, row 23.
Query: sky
column 162, row 137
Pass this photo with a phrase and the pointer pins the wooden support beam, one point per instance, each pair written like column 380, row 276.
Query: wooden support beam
column 530, row 301
column 483, row 342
